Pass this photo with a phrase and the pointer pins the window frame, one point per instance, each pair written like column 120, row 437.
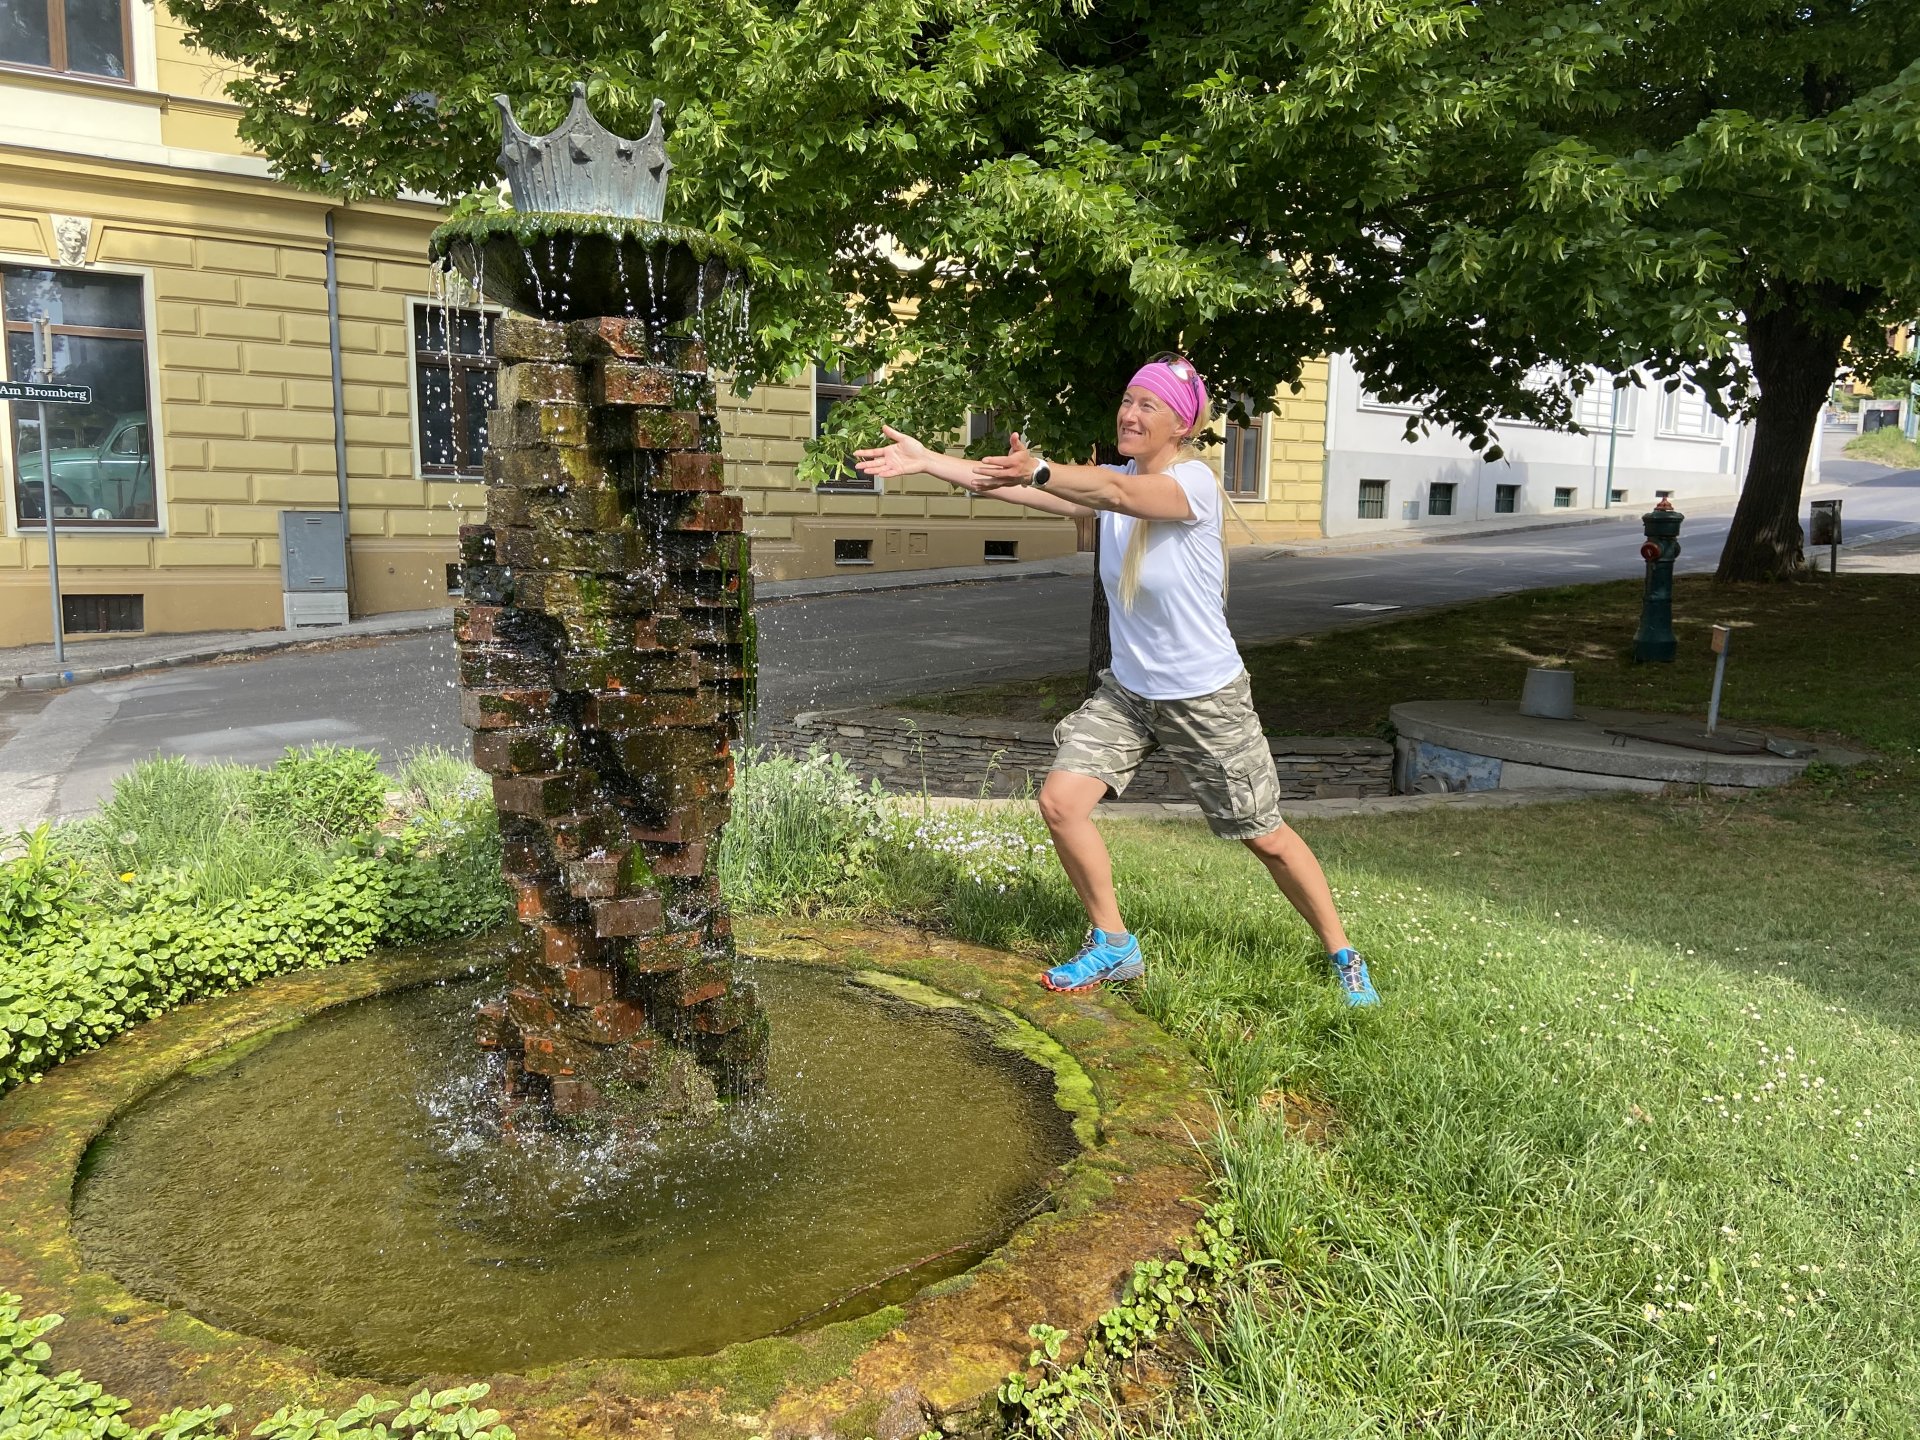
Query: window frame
column 1509, row 492
column 848, row 481
column 1451, row 488
column 11, row 523
column 1711, row 431
column 1385, row 494
column 1237, row 439
column 416, row 355
column 57, row 50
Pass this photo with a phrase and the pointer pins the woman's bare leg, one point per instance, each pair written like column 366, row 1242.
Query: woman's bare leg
column 1066, row 804
column 1301, row 880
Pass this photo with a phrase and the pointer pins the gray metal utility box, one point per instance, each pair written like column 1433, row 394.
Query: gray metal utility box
column 313, row 567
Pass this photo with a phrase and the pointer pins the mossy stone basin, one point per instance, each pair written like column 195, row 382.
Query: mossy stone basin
column 1131, row 1095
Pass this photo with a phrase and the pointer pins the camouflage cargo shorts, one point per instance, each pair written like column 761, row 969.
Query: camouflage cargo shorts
column 1215, row 739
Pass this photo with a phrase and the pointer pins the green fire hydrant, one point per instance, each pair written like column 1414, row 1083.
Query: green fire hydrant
column 1654, row 640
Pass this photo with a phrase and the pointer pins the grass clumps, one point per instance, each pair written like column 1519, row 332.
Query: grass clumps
column 1885, row 446
column 196, row 879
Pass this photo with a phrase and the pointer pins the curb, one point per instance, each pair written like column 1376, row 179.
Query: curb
column 87, row 674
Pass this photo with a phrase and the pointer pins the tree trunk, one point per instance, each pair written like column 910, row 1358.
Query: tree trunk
column 1796, row 349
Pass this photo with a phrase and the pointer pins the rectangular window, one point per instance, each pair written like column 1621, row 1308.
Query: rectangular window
column 102, row 614
column 1240, row 464
column 454, row 373
column 1601, row 407
column 1563, row 497
column 1440, row 499
column 1617, row 497
column 1684, row 416
column 985, row 425
column 831, row 388
column 853, row 552
column 1506, row 499
column 101, row 454
column 73, row 37
column 1373, row 499
column 1003, row 550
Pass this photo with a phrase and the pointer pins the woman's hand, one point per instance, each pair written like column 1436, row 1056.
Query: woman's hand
column 1017, row 467
column 905, row 456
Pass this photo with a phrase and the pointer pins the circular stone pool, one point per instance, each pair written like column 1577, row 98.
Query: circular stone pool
column 336, row 1188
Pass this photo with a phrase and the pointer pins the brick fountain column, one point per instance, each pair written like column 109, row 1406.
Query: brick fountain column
column 603, row 673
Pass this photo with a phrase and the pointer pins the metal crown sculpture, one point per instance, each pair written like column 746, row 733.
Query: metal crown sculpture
column 583, row 168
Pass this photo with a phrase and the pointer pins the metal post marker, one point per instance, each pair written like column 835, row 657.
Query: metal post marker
column 43, row 372
column 1722, row 638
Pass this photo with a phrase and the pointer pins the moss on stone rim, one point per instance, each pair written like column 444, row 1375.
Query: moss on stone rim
column 527, row 228
column 939, row 1354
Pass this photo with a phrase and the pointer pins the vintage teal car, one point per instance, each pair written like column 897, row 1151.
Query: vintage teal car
column 109, row 480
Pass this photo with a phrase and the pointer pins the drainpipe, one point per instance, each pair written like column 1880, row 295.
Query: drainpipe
column 339, row 396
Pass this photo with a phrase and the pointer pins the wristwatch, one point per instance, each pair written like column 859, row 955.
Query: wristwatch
column 1042, row 471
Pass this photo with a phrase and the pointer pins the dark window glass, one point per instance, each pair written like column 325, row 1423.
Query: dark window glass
column 1440, row 499
column 983, row 425
column 82, row 37
column 101, row 455
column 96, row 38
column 1506, row 499
column 454, row 373
column 1373, row 499
column 1240, row 465
column 26, row 33
column 830, row 388
column 1563, row 499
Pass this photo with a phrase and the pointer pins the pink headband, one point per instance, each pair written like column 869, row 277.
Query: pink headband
column 1177, row 383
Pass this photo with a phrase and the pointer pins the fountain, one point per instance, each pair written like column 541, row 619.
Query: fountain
column 603, row 642
column 293, row 1192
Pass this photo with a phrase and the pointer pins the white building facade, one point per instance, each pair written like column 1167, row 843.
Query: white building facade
column 1639, row 440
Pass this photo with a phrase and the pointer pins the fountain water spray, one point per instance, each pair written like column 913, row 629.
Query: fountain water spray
column 604, row 639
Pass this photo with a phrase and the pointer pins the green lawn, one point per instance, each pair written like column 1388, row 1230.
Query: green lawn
column 1885, row 447
column 1819, row 657
column 1633, row 1147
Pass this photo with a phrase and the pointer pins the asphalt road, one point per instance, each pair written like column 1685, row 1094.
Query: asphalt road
column 64, row 751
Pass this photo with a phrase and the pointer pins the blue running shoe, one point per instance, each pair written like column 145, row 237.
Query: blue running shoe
column 1355, row 984
column 1101, row 959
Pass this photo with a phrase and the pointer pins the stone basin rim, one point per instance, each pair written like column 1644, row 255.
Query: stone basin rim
column 935, row 1357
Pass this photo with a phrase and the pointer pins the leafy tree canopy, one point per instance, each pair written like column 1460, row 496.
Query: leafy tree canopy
column 1011, row 201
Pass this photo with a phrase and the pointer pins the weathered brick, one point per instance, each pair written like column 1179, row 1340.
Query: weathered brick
column 562, row 946
column 506, row 506
column 491, row 1029
column 649, row 429
column 630, row 916
column 487, row 584
column 680, row 862
column 540, row 900
column 595, row 878
column 712, row 512
column 661, row 954
column 547, row 467
column 519, row 752
column 651, row 709
column 492, row 667
column 627, row 382
column 532, row 1010
column 532, row 382
column 612, row 1023
column 570, row 1095
column 476, row 545
column 576, row 508
column 540, row 796
column 663, row 671
column 695, row 985
column 517, row 427
column 720, row 1013
column 522, row 337
column 690, row 470
column 505, row 709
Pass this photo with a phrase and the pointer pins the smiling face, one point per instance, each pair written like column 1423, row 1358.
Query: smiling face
column 1146, row 424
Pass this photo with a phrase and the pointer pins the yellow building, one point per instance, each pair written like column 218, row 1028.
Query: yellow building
column 191, row 290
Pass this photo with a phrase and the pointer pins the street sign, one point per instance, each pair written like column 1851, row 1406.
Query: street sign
column 49, row 394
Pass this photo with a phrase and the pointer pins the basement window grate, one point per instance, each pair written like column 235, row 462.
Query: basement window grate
column 853, row 552
column 1003, row 550
column 102, row 614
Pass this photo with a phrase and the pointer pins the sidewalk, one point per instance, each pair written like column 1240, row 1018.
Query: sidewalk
column 31, row 667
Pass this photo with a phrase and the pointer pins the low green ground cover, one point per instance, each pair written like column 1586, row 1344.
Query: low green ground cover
column 195, row 879
column 1885, row 446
